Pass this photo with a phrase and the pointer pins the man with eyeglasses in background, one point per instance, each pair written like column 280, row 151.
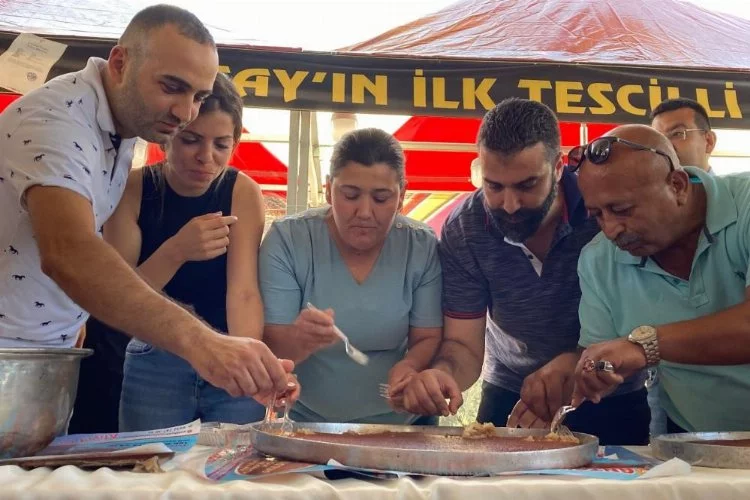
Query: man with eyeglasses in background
column 686, row 125
column 666, row 281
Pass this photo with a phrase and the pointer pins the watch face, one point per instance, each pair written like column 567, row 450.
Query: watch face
column 642, row 333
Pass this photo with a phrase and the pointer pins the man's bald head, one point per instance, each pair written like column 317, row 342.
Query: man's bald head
column 639, row 192
column 136, row 36
column 642, row 134
column 645, row 165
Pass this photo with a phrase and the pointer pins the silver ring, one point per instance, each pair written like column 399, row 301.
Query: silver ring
column 605, row 366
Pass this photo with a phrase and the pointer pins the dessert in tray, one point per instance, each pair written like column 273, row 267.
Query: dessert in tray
column 724, row 442
column 475, row 437
column 476, row 430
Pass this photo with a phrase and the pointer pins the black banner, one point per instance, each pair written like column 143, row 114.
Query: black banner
column 577, row 92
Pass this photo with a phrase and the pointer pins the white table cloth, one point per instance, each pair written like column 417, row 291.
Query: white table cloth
column 71, row 482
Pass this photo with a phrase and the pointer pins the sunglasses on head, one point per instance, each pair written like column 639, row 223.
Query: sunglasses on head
column 598, row 150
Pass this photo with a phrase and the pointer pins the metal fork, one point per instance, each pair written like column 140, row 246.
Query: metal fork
column 271, row 410
column 354, row 353
column 557, row 420
column 603, row 366
column 287, row 424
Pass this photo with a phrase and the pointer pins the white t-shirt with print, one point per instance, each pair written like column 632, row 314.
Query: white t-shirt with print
column 61, row 135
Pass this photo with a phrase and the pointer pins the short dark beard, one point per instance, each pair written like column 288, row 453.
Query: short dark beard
column 525, row 221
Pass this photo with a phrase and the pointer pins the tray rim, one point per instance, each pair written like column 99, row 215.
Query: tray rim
column 689, row 437
column 583, row 452
column 683, row 446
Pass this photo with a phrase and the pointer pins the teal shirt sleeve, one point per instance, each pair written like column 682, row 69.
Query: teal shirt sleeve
column 594, row 313
column 279, row 288
column 743, row 225
column 426, row 311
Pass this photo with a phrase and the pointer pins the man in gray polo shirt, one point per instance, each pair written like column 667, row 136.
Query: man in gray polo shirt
column 510, row 288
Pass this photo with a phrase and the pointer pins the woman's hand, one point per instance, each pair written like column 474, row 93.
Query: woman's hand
column 398, row 378
column 202, row 238
column 313, row 332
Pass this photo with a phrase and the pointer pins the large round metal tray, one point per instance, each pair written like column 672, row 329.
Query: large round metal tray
column 680, row 446
column 458, row 463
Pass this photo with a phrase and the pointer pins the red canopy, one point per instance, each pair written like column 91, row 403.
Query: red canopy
column 642, row 32
column 630, row 32
column 6, row 99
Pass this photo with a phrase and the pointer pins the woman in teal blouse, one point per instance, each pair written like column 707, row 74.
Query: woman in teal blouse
column 373, row 272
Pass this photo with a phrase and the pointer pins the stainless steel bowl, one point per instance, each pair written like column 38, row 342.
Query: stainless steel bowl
column 37, row 392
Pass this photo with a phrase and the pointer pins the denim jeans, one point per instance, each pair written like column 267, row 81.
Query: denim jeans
column 658, row 415
column 161, row 390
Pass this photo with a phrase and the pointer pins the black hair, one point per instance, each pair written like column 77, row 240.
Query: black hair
column 225, row 97
column 157, row 16
column 701, row 117
column 515, row 124
column 369, row 146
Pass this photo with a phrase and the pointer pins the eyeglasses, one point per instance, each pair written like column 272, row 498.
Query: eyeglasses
column 598, row 150
column 681, row 135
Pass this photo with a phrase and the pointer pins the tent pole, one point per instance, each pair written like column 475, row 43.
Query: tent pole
column 291, row 183
column 305, row 158
column 584, row 134
column 316, row 180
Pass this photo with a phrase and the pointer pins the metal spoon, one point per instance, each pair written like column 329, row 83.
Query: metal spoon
column 354, row 353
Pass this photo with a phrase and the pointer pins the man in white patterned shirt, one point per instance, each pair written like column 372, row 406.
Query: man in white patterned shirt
column 66, row 151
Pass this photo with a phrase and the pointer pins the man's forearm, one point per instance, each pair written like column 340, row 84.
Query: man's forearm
column 457, row 360
column 722, row 338
column 421, row 354
column 92, row 273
